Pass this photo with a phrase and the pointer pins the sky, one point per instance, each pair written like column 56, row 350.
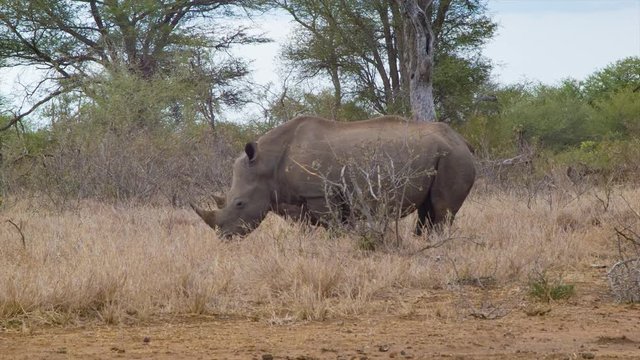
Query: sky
column 538, row 40
column 550, row 40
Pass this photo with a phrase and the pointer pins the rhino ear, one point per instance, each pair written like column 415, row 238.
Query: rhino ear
column 251, row 149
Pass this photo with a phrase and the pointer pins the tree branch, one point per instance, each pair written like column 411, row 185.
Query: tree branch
column 32, row 46
column 32, row 109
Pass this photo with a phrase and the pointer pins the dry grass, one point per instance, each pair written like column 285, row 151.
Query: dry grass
column 135, row 263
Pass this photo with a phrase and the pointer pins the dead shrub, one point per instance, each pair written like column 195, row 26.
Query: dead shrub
column 624, row 275
column 122, row 166
column 364, row 195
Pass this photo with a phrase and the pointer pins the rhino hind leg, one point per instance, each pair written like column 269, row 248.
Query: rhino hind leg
column 451, row 186
column 440, row 206
column 432, row 217
column 423, row 222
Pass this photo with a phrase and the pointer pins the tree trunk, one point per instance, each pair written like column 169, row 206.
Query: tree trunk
column 399, row 31
column 392, row 56
column 418, row 42
column 337, row 91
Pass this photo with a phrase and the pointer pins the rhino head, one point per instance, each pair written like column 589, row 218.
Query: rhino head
column 247, row 202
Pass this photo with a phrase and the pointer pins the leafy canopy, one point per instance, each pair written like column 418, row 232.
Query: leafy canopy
column 76, row 41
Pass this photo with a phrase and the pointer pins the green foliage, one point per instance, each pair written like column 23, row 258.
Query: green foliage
column 68, row 36
column 544, row 289
column 594, row 125
column 546, row 292
column 557, row 117
column 617, row 158
column 322, row 105
column 490, row 129
column 621, row 75
column 294, row 102
column 121, row 99
column 618, row 116
column 456, row 81
column 357, row 46
column 489, row 135
column 133, row 139
column 460, row 70
column 84, row 44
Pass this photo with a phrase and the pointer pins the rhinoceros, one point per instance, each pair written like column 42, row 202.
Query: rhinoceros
column 291, row 169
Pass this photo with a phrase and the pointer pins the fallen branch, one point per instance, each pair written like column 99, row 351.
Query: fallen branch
column 442, row 242
column 520, row 159
column 19, row 228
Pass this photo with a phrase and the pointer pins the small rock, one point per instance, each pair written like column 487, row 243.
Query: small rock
column 117, row 350
column 383, row 348
column 537, row 311
column 588, row 355
column 408, row 356
column 267, row 357
column 146, row 339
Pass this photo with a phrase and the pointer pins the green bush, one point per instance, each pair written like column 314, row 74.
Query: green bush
column 493, row 134
column 134, row 139
column 618, row 76
column 490, row 136
column 618, row 116
column 616, row 159
column 556, row 117
column 546, row 292
column 545, row 289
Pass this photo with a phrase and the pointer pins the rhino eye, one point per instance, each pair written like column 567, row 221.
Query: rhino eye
column 240, row 204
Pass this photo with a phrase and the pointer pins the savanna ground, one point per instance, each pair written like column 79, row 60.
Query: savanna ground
column 519, row 275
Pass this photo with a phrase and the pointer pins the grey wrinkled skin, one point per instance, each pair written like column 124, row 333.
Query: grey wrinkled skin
column 287, row 169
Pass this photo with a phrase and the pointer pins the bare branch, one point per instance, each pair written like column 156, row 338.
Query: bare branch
column 32, row 109
column 19, row 228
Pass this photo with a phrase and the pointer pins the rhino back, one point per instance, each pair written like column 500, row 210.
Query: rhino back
column 318, row 149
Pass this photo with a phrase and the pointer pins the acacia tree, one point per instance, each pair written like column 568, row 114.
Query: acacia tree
column 374, row 43
column 317, row 46
column 73, row 40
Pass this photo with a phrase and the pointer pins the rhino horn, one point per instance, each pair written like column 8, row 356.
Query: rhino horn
column 208, row 216
column 220, row 200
